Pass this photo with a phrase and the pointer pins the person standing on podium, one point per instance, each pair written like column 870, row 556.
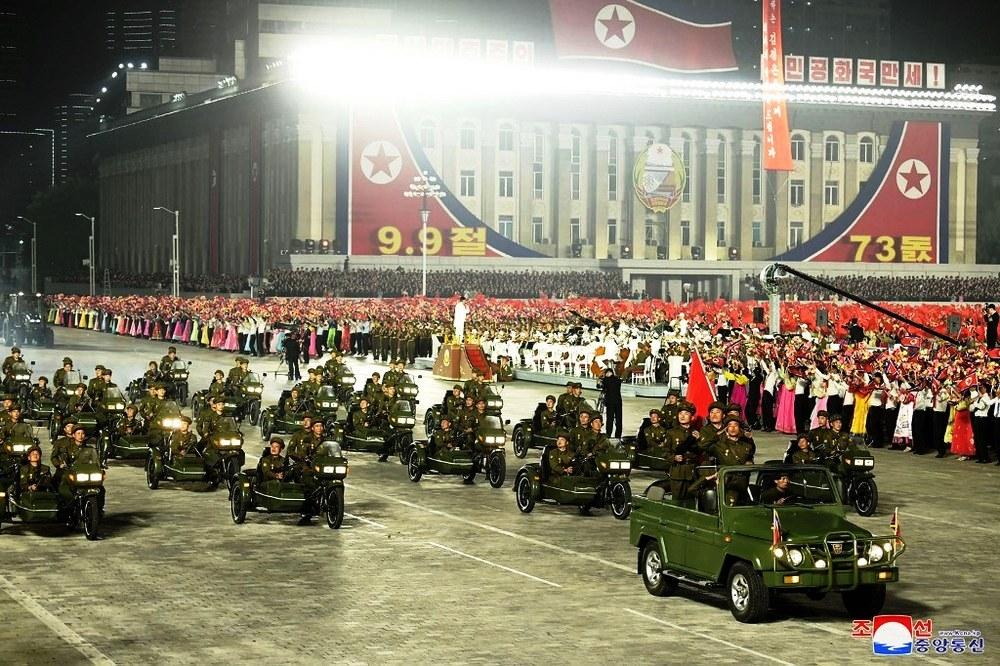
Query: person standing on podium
column 461, row 312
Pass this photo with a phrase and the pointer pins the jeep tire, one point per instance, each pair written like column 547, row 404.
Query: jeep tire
column 746, row 593
column 657, row 581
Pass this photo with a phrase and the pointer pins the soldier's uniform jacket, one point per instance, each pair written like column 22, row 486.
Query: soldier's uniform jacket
column 656, row 438
column 681, row 442
column 208, row 423
column 166, row 364
column 333, row 367
column 96, row 387
column 361, row 422
column 668, row 414
column 302, row 450
column 292, row 405
column 559, row 461
column 822, row 439
column 151, row 376
column 38, row 393
column 566, row 403
column 709, row 436
column 473, row 388
column 149, row 406
column 444, row 440
column 7, row 427
column 467, row 420
column 77, row 402
column 311, row 387
column 452, row 404
column 801, row 457
column 840, row 444
column 270, row 466
column 599, row 444
column 373, row 391
column 128, row 426
column 4, row 419
column 732, row 452
column 182, row 441
column 581, row 439
column 34, row 476
column 59, row 378
column 236, row 376
column 63, row 450
column 549, row 419
column 390, row 378
column 217, row 389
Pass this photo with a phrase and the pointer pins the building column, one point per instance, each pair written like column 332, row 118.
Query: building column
column 674, row 215
column 815, row 184
column 743, row 236
column 488, row 153
column 956, row 207
column 971, row 200
column 310, row 181
column 328, row 181
column 779, row 237
column 851, row 154
column 637, row 220
column 710, row 194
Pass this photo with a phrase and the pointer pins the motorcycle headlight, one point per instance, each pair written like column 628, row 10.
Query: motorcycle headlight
column 329, row 469
column 347, row 380
column 795, row 556
column 615, row 465
column 23, row 378
column 875, row 553
column 119, row 405
column 20, row 448
column 870, row 462
column 340, row 469
column 860, row 462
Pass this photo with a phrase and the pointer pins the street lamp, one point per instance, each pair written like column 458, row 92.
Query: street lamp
column 175, row 250
column 34, row 256
column 93, row 288
column 425, row 187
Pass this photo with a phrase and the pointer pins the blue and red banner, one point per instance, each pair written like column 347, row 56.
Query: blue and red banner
column 385, row 156
column 901, row 213
column 634, row 32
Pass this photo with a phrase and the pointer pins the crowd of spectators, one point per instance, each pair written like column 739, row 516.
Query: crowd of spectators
column 214, row 284
column 399, row 282
column 952, row 288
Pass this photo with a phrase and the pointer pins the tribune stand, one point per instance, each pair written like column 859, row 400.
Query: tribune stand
column 457, row 362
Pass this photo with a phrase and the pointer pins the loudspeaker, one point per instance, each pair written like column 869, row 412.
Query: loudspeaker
column 758, row 315
column 822, row 318
column 954, row 324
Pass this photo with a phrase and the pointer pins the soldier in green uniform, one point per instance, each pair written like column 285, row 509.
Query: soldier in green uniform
column 302, row 450
column 237, row 374
column 712, row 431
column 293, row 403
column 334, row 365
column 804, row 454
column 209, row 420
column 443, row 441
column 669, row 410
column 34, row 476
column 548, row 418
column 150, row 404
column 821, row 437
column 567, row 401
column 733, row 450
column 272, row 466
column 581, row 434
column 129, row 423
column 41, row 390
column 152, row 374
column 314, row 382
column 474, row 387
column 384, row 402
column 682, row 449
column 361, row 419
column 59, row 378
column 8, row 363
column 217, row 389
column 655, row 435
column 77, row 449
column 466, row 422
column 63, row 446
column 13, row 418
column 780, row 492
column 373, row 386
column 79, row 400
column 560, row 458
column 598, row 444
column 183, row 440
column 96, row 386
column 167, row 362
column 453, row 401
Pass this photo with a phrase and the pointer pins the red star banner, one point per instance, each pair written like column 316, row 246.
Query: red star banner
column 632, row 32
column 901, row 213
column 777, row 141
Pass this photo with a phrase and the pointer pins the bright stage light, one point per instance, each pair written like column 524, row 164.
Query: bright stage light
column 371, row 72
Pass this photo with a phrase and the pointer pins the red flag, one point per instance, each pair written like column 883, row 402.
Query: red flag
column 700, row 391
column 628, row 31
column 777, row 140
column 897, row 531
column 775, row 528
column 967, row 383
column 910, row 341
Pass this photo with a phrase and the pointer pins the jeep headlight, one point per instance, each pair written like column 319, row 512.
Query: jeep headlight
column 795, row 556
column 820, row 564
column 779, row 552
column 875, row 552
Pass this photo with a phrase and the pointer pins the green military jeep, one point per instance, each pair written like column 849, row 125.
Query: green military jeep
column 755, row 547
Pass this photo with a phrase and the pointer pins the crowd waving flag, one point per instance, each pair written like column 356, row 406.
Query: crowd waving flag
column 634, row 32
column 777, row 141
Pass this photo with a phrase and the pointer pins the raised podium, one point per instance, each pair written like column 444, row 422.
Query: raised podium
column 457, row 362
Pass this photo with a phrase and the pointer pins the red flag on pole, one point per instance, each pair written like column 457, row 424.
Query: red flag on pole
column 775, row 528
column 777, row 141
column 894, row 523
column 700, row 391
column 629, row 31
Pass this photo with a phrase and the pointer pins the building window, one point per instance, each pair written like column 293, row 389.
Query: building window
column 757, row 231
column 831, row 149
column 612, row 231
column 506, row 184
column 866, row 150
column 539, row 148
column 831, row 193
column 720, row 172
column 537, row 180
column 574, row 231
column 795, row 231
column 686, row 161
column 467, row 137
column 720, row 234
column 427, row 135
column 574, row 166
column 798, row 148
column 612, row 182
column 755, row 173
column 651, row 234
column 467, row 183
column 536, row 230
column 505, row 138
column 797, row 193
column 685, row 233
column 505, row 225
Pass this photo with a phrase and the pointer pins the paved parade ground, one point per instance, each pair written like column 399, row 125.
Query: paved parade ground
column 438, row 571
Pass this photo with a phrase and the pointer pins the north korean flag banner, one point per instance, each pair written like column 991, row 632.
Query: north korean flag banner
column 777, row 141
column 901, row 212
column 634, row 32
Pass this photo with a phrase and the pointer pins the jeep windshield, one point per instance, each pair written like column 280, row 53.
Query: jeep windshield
column 805, row 486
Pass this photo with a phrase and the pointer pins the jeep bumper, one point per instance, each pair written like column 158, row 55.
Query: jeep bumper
column 836, row 580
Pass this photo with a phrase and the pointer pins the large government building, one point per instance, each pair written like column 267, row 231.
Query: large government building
column 266, row 169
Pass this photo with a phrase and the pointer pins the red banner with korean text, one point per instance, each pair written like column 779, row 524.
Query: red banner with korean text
column 777, row 141
column 385, row 157
column 901, row 212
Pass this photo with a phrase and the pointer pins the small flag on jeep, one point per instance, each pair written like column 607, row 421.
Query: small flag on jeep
column 775, row 528
column 894, row 523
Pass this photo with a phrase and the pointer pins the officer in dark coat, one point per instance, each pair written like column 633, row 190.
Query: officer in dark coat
column 611, row 385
